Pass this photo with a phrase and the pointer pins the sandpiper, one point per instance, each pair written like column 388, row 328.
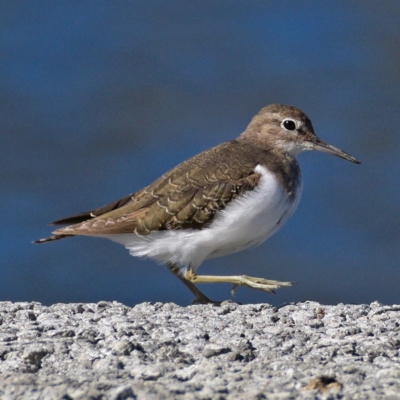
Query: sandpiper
column 223, row 200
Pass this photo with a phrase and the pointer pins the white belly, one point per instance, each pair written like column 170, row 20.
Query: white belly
column 244, row 223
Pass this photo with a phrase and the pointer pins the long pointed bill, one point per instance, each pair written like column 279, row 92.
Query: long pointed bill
column 320, row 145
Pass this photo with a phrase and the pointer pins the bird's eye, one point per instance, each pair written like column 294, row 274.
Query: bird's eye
column 289, row 124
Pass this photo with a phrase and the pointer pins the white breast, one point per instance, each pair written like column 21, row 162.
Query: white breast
column 245, row 222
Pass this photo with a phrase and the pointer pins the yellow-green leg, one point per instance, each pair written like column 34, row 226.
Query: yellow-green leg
column 238, row 280
column 190, row 278
column 200, row 296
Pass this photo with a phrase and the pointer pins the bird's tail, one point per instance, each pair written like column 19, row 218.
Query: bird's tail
column 51, row 238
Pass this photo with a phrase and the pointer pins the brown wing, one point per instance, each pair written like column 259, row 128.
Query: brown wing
column 186, row 197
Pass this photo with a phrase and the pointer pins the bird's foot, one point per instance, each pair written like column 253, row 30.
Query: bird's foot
column 265, row 285
column 191, row 278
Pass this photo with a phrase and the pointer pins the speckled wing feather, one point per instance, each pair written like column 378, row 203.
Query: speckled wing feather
column 186, row 197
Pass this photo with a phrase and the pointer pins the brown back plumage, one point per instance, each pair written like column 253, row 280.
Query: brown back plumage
column 187, row 196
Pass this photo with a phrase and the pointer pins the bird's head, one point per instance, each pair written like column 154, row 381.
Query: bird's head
column 290, row 130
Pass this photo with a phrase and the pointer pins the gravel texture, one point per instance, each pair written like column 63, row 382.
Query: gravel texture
column 163, row 351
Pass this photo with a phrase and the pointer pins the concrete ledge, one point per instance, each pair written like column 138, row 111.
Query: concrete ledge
column 163, row 351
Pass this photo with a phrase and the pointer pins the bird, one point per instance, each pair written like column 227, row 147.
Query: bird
column 223, row 200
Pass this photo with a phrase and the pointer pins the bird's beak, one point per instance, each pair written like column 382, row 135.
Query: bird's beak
column 320, row 145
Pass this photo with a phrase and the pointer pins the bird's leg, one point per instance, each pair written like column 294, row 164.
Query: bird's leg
column 238, row 280
column 201, row 297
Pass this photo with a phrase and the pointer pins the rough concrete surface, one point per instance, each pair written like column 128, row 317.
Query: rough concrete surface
column 163, row 351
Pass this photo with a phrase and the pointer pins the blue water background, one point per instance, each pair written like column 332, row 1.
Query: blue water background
column 98, row 98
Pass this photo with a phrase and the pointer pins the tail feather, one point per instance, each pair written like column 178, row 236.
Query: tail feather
column 86, row 216
column 76, row 219
column 51, row 238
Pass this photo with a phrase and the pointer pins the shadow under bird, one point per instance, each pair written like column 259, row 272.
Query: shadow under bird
column 223, row 200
